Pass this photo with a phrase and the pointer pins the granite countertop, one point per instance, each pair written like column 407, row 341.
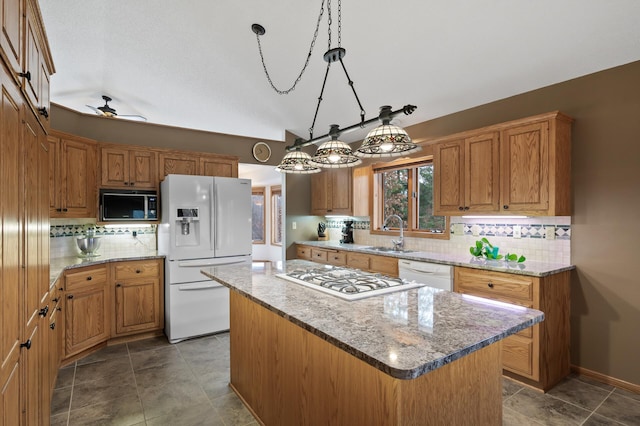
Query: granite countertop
column 404, row 334
column 531, row 268
column 60, row 264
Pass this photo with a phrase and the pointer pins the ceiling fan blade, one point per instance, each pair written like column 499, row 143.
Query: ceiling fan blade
column 133, row 117
column 96, row 110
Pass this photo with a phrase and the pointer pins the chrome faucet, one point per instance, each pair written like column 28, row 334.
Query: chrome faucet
column 397, row 244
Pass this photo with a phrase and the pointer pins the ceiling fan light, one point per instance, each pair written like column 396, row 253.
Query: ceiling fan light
column 335, row 154
column 297, row 162
column 387, row 140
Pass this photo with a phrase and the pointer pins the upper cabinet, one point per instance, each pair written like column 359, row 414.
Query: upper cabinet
column 519, row 167
column 218, row 165
column 12, row 35
column 72, row 176
column 331, row 192
column 188, row 163
column 128, row 168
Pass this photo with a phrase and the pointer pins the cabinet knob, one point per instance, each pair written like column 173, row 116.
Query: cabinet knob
column 52, row 326
column 43, row 111
column 44, row 311
column 466, row 208
column 132, row 183
column 55, row 300
column 70, row 296
column 118, row 285
column 26, row 344
column 506, row 207
column 126, row 183
column 490, row 284
column 26, row 75
column 65, row 210
column 58, row 210
column 59, row 308
column 138, row 271
column 89, row 278
column 460, row 208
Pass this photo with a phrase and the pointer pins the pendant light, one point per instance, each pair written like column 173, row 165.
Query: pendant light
column 297, row 161
column 386, row 140
column 334, row 153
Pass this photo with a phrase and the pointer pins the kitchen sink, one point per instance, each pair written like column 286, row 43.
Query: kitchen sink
column 387, row 249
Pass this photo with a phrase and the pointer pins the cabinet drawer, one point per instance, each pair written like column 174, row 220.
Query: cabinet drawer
column 319, row 255
column 303, row 252
column 517, row 356
column 508, row 287
column 385, row 265
column 337, row 258
column 129, row 270
column 85, row 277
column 358, row 261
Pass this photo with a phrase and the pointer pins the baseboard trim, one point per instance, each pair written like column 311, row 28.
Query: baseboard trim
column 606, row 379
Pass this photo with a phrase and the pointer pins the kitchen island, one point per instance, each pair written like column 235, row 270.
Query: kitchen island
column 420, row 356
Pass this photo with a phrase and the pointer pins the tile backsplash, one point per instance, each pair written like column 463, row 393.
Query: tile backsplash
column 544, row 239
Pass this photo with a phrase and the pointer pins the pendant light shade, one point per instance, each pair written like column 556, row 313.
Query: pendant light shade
column 297, row 162
column 387, row 140
column 335, row 153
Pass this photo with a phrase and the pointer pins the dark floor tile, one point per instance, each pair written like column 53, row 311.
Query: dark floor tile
column 109, row 369
column 198, row 415
column 203, row 350
column 161, row 400
column 125, row 411
column 232, row 410
column 627, row 393
column 65, row 377
column 590, row 381
column 59, row 419
column 60, row 400
column 146, row 344
column 105, row 390
column 513, row 418
column 545, row 408
column 108, row 352
column 509, row 387
column 155, row 358
column 215, row 382
column 597, row 420
column 164, row 374
column 621, row 409
column 579, row 393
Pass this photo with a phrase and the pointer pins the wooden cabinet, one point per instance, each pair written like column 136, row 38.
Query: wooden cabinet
column 138, row 296
column 362, row 195
column 303, row 252
column 128, row 168
column 72, row 176
column 87, row 309
column 12, row 34
column 331, row 192
column 56, row 329
column 191, row 163
column 539, row 355
column 386, row 265
column 519, row 167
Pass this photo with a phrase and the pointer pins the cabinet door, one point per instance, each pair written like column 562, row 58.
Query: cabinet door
column 482, row 173
column 115, row 166
column 341, row 199
column 212, row 166
column 11, row 13
column 31, row 81
column 78, row 167
column 86, row 318
column 142, row 169
column 176, row 163
column 320, row 193
column 55, row 182
column 448, row 178
column 138, row 305
column 524, row 161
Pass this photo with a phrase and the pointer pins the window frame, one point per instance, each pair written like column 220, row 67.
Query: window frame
column 259, row 190
column 276, row 190
column 412, row 164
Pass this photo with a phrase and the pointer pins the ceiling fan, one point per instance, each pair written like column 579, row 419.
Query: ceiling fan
column 107, row 111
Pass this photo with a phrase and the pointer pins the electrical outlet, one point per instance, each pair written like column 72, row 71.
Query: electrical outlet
column 458, row 228
column 550, row 232
column 293, row 225
column 134, row 234
column 475, row 230
column 517, row 231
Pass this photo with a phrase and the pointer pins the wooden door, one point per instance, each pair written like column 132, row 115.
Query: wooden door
column 55, row 180
column 78, row 166
column 214, row 166
column 142, row 169
column 32, row 378
column 175, row 163
column 320, row 193
column 86, row 318
column 524, row 157
column 115, row 167
column 137, row 305
column 482, row 173
column 10, row 261
column 448, row 178
column 341, row 198
column 11, row 16
column 31, row 81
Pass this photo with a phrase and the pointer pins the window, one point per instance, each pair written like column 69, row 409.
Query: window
column 257, row 215
column 405, row 188
column 276, row 215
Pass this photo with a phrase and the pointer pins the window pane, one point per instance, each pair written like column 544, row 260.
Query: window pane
column 426, row 220
column 395, row 190
column 276, row 226
column 257, row 218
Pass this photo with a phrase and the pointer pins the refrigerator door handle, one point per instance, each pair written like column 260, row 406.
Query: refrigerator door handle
column 204, row 263
column 198, row 287
column 213, row 228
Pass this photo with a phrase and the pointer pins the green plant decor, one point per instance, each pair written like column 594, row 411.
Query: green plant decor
column 484, row 248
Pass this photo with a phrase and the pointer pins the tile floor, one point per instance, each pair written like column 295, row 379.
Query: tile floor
column 152, row 382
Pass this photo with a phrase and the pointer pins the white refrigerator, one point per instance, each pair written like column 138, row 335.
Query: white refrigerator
column 205, row 221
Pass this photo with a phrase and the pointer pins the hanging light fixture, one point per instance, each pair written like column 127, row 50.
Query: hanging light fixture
column 297, row 161
column 335, row 153
column 385, row 140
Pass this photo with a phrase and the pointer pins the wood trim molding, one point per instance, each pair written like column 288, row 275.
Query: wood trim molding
column 603, row 378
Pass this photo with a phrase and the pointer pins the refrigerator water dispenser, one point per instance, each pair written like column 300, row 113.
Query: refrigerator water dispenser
column 187, row 227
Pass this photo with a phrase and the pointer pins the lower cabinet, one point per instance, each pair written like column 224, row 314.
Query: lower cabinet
column 386, row 265
column 108, row 301
column 538, row 355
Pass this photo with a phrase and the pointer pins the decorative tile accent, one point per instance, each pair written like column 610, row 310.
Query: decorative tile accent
column 56, row 231
column 563, row 232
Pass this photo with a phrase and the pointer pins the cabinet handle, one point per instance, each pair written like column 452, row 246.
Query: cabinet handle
column 466, row 208
column 490, row 284
column 65, row 210
column 126, row 183
column 61, row 289
column 26, row 344
column 118, row 285
column 59, row 308
column 55, row 300
column 138, row 271
column 132, row 183
column 70, row 296
column 89, row 278
column 460, row 208
column 506, row 207
column 43, row 111
column 52, row 326
column 58, row 210
column 44, row 311
column 26, row 75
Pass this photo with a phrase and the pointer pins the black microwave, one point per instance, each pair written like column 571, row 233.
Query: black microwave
column 128, row 205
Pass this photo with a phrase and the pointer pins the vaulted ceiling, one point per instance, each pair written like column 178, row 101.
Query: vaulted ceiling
column 196, row 64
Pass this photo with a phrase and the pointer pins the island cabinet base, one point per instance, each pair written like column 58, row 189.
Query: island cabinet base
column 289, row 376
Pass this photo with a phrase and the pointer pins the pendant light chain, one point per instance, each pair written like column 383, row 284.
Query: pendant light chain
column 306, row 62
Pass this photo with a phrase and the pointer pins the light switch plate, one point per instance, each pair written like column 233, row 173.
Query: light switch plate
column 293, row 225
column 458, row 228
column 550, row 232
column 475, row 230
column 517, row 231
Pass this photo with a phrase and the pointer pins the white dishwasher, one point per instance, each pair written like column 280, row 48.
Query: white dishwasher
column 431, row 274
